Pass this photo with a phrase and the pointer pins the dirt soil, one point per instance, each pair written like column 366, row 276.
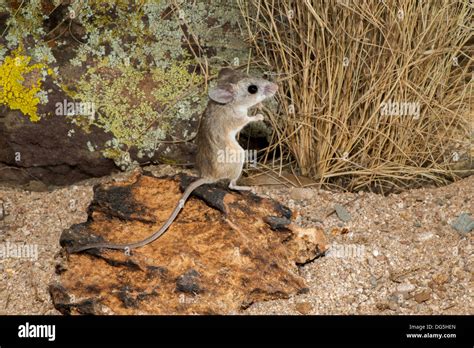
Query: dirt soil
column 392, row 255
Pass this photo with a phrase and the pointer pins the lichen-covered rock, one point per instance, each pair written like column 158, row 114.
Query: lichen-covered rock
column 124, row 81
column 217, row 259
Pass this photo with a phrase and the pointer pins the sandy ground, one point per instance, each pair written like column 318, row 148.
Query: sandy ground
column 396, row 255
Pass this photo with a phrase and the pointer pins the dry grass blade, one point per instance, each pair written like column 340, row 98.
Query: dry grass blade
column 374, row 93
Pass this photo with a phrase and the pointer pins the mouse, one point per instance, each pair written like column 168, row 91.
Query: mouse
column 225, row 116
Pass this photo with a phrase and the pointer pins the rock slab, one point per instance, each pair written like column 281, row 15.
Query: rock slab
column 225, row 251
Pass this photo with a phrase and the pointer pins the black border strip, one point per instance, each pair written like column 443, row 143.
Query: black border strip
column 244, row 330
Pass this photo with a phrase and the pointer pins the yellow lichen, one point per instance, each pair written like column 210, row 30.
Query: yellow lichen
column 14, row 92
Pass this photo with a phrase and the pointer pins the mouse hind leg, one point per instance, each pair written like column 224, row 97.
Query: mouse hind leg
column 233, row 186
column 235, row 171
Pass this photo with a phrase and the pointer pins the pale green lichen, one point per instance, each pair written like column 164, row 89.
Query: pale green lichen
column 24, row 21
column 90, row 146
column 28, row 21
column 3, row 51
column 42, row 53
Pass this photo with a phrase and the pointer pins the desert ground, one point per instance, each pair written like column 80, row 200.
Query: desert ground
column 395, row 254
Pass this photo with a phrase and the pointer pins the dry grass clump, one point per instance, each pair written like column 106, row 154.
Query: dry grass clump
column 344, row 65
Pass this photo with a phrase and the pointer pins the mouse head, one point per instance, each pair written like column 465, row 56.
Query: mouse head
column 239, row 89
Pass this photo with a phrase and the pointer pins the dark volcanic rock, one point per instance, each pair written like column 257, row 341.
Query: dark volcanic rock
column 44, row 152
column 189, row 282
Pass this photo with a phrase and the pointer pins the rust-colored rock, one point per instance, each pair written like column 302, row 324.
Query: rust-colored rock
column 423, row 296
column 304, row 307
column 225, row 251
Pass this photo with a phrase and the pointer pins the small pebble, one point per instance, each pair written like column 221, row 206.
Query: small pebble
column 422, row 237
column 342, row 213
column 406, row 287
column 36, row 186
column 393, row 305
column 440, row 202
column 301, row 193
column 441, row 278
column 464, row 223
column 304, row 307
column 423, row 296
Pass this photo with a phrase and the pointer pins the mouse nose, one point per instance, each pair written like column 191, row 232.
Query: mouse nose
column 271, row 88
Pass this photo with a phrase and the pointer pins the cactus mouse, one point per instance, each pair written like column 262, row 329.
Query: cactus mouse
column 225, row 115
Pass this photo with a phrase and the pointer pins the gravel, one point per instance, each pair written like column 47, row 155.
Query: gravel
column 399, row 254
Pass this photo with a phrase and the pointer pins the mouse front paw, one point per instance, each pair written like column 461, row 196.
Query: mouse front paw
column 259, row 117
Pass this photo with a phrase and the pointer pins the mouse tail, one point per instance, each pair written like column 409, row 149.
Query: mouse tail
column 194, row 185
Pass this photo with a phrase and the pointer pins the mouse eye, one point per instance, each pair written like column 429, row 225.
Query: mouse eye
column 252, row 89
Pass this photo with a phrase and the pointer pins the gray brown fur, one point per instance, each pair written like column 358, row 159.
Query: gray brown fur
column 221, row 123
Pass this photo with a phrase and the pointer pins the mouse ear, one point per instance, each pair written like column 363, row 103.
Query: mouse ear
column 224, row 72
column 223, row 93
